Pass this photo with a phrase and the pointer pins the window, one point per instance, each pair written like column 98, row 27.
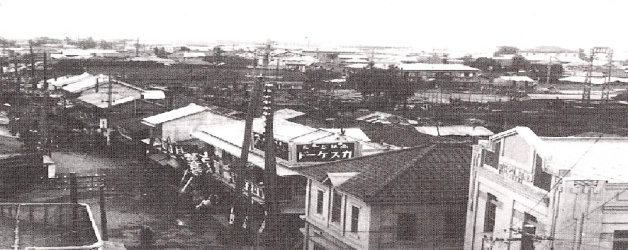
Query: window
column 489, row 213
column 542, row 179
column 319, row 202
column 620, row 239
column 355, row 213
column 335, row 207
column 406, row 226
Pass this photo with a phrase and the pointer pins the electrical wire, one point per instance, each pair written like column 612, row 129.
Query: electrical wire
column 560, row 178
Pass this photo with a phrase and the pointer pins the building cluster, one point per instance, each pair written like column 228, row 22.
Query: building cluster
column 340, row 190
column 337, row 188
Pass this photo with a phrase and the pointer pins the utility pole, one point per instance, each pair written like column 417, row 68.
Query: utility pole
column 45, row 85
column 32, row 56
column 270, row 170
column 137, row 47
column 605, row 88
column 241, row 167
column 44, row 112
column 549, row 70
column 586, row 94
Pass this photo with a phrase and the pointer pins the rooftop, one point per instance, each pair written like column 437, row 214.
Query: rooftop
column 411, row 175
column 86, row 83
column 65, row 80
column 516, row 78
column 10, row 145
column 173, row 114
column 459, row 130
column 435, row 67
column 121, row 93
column 598, row 158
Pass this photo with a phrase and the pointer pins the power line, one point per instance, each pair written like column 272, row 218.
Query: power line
column 560, row 178
column 596, row 208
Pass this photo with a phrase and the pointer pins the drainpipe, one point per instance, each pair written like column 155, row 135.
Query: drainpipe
column 556, row 209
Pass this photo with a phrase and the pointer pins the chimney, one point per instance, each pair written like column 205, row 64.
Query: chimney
column 96, row 84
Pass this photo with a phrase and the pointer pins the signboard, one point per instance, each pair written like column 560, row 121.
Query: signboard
column 514, row 173
column 281, row 148
column 103, row 123
column 325, row 152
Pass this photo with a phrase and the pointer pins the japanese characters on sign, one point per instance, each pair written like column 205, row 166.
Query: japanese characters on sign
column 281, row 148
column 325, row 152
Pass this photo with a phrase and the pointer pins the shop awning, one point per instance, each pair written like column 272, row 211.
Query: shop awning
column 236, row 151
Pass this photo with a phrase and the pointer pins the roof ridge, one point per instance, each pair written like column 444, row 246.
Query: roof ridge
column 394, row 176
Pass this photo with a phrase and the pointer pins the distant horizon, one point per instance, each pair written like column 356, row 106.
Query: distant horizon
column 225, row 42
column 457, row 25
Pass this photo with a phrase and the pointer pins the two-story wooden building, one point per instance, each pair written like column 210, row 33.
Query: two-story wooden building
column 529, row 192
column 408, row 199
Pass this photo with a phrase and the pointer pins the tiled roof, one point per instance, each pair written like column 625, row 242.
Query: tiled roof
column 431, row 174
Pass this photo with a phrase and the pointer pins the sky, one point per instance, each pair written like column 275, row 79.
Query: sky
column 442, row 24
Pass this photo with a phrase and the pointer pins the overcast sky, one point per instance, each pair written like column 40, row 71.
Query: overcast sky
column 453, row 24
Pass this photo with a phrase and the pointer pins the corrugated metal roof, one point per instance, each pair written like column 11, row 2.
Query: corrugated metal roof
column 85, row 83
column 65, row 80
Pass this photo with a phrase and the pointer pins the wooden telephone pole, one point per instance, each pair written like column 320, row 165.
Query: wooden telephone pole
column 239, row 203
column 270, row 165
column 270, row 168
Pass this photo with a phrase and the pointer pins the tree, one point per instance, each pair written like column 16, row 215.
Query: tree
column 88, row 43
column 520, row 63
column 184, row 49
column 6, row 42
column 316, row 77
column 160, row 52
column 105, row 45
column 388, row 84
column 467, row 60
column 486, row 64
column 217, row 55
column 506, row 50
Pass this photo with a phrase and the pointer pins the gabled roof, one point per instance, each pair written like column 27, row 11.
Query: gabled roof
column 173, row 114
column 434, row 174
column 120, row 93
column 65, row 80
column 86, row 83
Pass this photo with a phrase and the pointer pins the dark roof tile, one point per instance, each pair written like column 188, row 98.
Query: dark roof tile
column 432, row 173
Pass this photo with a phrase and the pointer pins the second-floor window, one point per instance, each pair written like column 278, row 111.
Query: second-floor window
column 336, row 207
column 355, row 214
column 406, row 226
column 489, row 213
column 542, row 179
column 319, row 202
